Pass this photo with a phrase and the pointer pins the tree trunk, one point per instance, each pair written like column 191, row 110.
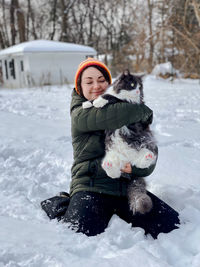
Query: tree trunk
column 63, row 36
column 32, row 16
column 151, row 44
column 196, row 7
column 12, row 22
column 2, row 43
column 54, row 10
column 21, row 23
column 5, row 26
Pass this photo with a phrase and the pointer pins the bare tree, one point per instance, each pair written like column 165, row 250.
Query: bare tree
column 151, row 44
column 65, row 7
column 16, row 13
column 185, row 25
column 53, row 18
column 31, row 30
column 4, row 25
column 12, row 21
column 196, row 6
column 2, row 38
column 20, row 22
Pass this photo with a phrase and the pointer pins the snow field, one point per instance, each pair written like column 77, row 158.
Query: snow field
column 35, row 161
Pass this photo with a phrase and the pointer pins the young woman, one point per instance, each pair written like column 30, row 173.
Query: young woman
column 95, row 197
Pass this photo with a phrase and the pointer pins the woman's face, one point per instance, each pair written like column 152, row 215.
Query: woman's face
column 93, row 83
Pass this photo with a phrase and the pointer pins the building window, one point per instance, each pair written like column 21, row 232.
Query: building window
column 22, row 65
column 12, row 68
column 6, row 68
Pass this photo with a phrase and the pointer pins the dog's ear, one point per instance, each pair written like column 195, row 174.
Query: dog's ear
column 126, row 72
column 142, row 76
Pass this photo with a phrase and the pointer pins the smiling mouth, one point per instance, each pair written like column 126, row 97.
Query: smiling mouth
column 98, row 93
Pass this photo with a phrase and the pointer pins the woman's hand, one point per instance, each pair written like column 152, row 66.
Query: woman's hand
column 127, row 168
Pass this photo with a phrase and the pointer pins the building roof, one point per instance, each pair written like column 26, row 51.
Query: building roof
column 47, row 46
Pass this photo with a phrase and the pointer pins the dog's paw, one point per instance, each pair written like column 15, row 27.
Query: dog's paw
column 87, row 104
column 141, row 204
column 146, row 159
column 100, row 102
column 111, row 170
column 149, row 159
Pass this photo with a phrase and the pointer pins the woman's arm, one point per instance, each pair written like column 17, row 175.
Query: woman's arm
column 110, row 117
column 136, row 172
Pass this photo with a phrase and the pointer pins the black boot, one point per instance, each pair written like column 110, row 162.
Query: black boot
column 55, row 207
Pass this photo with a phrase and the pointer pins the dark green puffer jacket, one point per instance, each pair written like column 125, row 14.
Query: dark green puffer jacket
column 87, row 126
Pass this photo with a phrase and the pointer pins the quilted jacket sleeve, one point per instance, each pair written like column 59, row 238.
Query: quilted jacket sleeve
column 110, row 117
column 137, row 172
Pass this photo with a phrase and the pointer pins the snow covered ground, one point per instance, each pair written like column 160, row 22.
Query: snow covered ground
column 35, row 162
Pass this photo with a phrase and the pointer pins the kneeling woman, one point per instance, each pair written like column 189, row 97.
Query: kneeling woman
column 95, row 197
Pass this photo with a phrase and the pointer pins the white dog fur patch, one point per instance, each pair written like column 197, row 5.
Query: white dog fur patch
column 87, row 104
column 120, row 153
column 100, row 102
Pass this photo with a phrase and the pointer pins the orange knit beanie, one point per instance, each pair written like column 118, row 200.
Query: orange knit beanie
column 87, row 63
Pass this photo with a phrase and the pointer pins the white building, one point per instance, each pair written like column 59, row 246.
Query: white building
column 41, row 62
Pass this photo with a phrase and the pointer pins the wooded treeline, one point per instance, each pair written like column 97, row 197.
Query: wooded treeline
column 134, row 33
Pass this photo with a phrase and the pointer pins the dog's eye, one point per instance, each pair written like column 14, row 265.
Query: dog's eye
column 132, row 84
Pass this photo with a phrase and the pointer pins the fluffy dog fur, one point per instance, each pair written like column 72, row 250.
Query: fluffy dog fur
column 133, row 143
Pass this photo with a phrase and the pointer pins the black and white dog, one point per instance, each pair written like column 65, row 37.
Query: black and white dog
column 133, row 143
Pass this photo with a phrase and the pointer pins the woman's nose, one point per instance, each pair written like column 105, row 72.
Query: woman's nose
column 96, row 85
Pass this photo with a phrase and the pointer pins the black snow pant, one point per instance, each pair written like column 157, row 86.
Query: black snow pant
column 90, row 213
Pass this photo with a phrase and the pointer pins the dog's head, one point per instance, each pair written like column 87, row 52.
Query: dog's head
column 129, row 86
